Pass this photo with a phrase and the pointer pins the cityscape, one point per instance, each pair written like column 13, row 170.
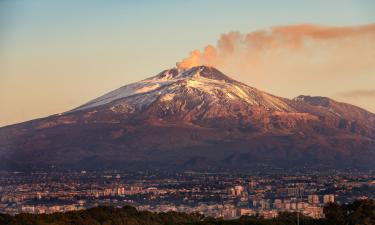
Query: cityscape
column 217, row 195
column 167, row 112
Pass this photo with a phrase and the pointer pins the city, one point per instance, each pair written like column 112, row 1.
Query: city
column 187, row 112
column 217, row 195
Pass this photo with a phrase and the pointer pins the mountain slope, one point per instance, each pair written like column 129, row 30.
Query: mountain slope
column 196, row 118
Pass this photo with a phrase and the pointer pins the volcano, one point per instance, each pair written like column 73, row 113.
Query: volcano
column 195, row 118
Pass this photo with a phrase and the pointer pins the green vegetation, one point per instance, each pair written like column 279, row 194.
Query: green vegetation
column 357, row 213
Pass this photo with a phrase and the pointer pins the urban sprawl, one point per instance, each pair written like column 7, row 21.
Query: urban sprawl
column 218, row 195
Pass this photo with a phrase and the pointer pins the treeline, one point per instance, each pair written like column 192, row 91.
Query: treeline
column 356, row 213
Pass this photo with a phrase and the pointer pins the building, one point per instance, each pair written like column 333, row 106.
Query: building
column 246, row 212
column 315, row 212
column 120, row 191
column 236, row 190
column 313, row 199
column 278, row 204
column 290, row 192
column 328, row 199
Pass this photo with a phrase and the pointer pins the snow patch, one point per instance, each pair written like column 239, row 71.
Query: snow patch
column 167, row 97
column 147, row 89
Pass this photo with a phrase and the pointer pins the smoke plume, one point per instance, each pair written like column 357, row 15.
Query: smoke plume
column 288, row 47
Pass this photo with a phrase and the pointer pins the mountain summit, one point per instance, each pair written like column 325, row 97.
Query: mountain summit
column 194, row 118
column 205, row 82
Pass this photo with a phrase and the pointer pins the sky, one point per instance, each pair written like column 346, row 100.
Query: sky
column 57, row 55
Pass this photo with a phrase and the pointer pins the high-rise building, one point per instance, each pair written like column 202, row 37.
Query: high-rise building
column 120, row 191
column 328, row 199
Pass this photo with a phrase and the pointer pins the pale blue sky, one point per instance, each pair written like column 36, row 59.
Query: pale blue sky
column 56, row 55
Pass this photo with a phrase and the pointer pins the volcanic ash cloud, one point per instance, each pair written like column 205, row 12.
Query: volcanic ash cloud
column 288, row 48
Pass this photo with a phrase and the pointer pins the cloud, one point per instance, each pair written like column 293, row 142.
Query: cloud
column 360, row 93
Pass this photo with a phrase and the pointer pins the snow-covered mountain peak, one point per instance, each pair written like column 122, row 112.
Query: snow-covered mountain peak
column 200, row 82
